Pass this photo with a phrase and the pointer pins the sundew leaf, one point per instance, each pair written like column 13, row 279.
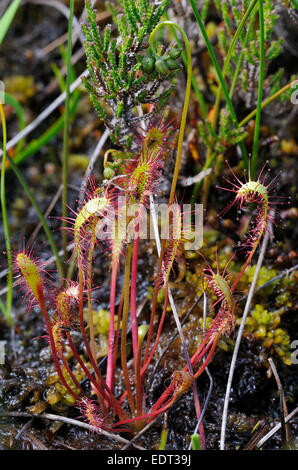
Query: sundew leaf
column 90, row 209
column 30, row 273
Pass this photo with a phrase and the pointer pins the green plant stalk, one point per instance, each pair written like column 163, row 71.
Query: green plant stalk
column 139, row 381
column 196, row 89
column 255, row 147
column 8, row 316
column 228, row 59
column 66, row 131
column 57, row 71
column 222, row 87
column 40, row 215
column 72, row 265
column 240, row 59
column 186, row 99
column 196, row 443
column 266, row 103
column 208, row 163
column 58, row 76
column 163, row 439
column 243, row 123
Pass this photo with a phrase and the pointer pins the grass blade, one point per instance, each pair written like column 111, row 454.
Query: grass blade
column 7, row 18
column 196, row 443
column 66, row 128
column 219, row 75
column 255, row 147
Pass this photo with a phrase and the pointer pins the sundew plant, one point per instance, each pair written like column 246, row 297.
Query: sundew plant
column 159, row 103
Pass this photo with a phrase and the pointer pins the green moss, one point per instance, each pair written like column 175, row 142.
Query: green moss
column 101, row 321
column 263, row 325
column 57, row 393
column 265, row 276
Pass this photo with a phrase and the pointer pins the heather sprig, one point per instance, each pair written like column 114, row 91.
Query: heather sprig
column 232, row 12
column 119, row 78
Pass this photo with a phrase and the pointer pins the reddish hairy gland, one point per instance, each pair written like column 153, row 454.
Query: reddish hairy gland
column 142, row 175
column 157, row 137
column 93, row 208
column 64, row 301
column 221, row 288
column 91, row 413
column 57, row 333
column 181, row 382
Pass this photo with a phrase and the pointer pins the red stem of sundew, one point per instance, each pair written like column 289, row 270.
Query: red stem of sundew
column 200, row 352
column 169, row 389
column 52, row 342
column 247, row 262
column 151, row 414
column 146, row 364
column 110, row 364
column 118, row 329
column 160, row 402
column 93, row 360
column 89, row 293
column 100, row 393
column 70, row 373
column 161, row 322
column 207, row 360
column 133, row 296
